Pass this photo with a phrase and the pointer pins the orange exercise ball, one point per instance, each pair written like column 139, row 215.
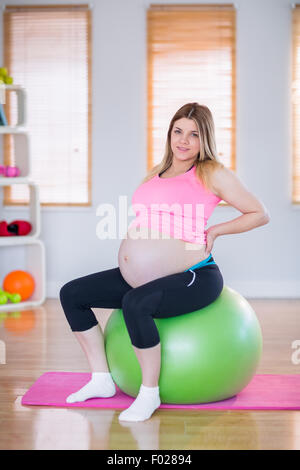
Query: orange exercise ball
column 21, row 282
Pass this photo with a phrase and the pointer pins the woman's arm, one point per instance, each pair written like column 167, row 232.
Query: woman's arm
column 228, row 187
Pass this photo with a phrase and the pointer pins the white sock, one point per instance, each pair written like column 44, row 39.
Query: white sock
column 101, row 385
column 144, row 405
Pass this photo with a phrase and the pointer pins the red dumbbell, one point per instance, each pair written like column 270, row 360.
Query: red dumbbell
column 16, row 227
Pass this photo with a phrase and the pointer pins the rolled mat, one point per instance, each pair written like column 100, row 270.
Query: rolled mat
column 264, row 392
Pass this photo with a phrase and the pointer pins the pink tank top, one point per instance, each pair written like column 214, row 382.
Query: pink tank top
column 179, row 206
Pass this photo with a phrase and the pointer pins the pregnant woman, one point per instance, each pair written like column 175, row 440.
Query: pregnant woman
column 165, row 263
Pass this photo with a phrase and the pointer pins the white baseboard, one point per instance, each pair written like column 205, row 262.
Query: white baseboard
column 267, row 289
column 52, row 289
column 256, row 289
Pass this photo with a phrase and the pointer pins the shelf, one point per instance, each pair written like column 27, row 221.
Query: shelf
column 13, row 87
column 34, row 210
column 17, row 240
column 29, row 257
column 10, row 307
column 5, row 181
column 21, row 96
column 12, row 130
column 22, row 252
column 21, row 153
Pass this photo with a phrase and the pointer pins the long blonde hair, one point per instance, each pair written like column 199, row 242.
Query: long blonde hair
column 207, row 159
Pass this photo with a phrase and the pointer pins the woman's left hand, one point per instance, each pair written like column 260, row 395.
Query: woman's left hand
column 211, row 235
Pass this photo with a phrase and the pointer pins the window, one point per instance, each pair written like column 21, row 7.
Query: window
column 191, row 57
column 296, row 106
column 47, row 50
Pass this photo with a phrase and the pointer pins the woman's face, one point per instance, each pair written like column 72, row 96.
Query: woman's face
column 185, row 143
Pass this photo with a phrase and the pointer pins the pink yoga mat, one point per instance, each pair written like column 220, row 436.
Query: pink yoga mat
column 264, row 392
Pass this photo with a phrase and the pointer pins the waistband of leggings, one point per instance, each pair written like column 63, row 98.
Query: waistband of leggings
column 207, row 261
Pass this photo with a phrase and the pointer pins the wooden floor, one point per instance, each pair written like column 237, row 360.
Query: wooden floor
column 40, row 340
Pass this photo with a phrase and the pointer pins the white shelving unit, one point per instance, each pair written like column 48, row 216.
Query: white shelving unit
column 23, row 252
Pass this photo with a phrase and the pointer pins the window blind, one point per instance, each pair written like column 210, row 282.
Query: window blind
column 47, row 49
column 191, row 57
column 296, row 105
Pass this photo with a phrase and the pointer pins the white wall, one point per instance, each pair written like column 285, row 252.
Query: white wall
column 261, row 263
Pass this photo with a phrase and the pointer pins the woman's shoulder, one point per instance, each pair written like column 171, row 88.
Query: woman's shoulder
column 233, row 191
column 222, row 178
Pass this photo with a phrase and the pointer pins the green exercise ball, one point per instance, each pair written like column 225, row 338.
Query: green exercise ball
column 207, row 355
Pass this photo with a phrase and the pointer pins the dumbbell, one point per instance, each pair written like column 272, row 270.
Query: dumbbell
column 16, row 227
column 9, row 171
column 4, row 296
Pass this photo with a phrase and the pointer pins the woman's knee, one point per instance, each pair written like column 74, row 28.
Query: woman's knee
column 138, row 309
column 68, row 292
column 130, row 303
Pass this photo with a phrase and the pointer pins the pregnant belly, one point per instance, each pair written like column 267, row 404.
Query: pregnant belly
column 144, row 259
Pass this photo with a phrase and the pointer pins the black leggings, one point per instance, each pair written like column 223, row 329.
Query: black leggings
column 168, row 296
